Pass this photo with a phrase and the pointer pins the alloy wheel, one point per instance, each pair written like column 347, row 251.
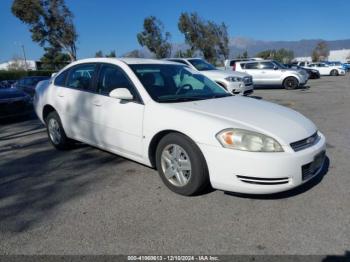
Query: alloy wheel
column 54, row 131
column 176, row 165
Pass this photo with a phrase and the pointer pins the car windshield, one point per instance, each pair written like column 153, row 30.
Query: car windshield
column 201, row 65
column 279, row 65
column 176, row 83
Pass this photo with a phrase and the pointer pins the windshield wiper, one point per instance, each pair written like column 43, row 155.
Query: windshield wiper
column 181, row 99
column 220, row 95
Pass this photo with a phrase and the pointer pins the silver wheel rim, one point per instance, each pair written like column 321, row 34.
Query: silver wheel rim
column 54, row 131
column 176, row 165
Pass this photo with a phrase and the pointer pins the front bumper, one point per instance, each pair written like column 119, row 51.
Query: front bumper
column 227, row 167
column 240, row 88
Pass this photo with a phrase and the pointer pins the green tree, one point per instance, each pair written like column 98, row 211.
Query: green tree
column 111, row 54
column 134, row 53
column 54, row 59
column 281, row 55
column 50, row 23
column 208, row 37
column 245, row 54
column 267, row 54
column 153, row 37
column 184, row 54
column 99, row 53
column 320, row 52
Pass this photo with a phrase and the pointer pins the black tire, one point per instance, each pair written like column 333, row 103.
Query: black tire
column 63, row 142
column 199, row 177
column 290, row 83
column 334, row 72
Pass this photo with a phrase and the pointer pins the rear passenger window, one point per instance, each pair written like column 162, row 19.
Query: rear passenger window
column 267, row 65
column 112, row 77
column 80, row 77
column 251, row 66
column 60, row 80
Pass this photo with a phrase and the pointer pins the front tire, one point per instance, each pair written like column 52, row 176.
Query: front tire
column 290, row 83
column 181, row 165
column 56, row 132
column 334, row 72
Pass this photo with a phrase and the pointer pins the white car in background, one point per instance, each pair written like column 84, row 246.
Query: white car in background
column 271, row 73
column 234, row 82
column 168, row 116
column 325, row 69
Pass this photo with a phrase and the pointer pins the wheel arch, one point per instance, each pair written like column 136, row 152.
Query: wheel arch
column 291, row 76
column 47, row 109
column 155, row 141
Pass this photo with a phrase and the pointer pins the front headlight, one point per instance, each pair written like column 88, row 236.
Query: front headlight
column 245, row 140
column 234, row 79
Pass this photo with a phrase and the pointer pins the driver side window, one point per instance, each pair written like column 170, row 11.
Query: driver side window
column 112, row 77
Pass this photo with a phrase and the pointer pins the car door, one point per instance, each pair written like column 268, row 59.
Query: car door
column 323, row 69
column 270, row 73
column 118, row 123
column 74, row 98
column 253, row 70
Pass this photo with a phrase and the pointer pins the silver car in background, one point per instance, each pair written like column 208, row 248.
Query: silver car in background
column 235, row 82
column 272, row 73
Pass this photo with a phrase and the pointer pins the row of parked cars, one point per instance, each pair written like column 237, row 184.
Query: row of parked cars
column 16, row 96
column 238, row 76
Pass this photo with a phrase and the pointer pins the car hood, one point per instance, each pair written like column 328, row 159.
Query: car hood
column 8, row 93
column 223, row 73
column 281, row 123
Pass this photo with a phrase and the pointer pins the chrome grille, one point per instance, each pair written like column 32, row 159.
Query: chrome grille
column 305, row 143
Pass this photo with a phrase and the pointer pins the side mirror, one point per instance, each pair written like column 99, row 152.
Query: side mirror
column 121, row 93
column 275, row 68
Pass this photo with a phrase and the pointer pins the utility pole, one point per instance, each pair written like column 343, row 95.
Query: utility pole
column 25, row 58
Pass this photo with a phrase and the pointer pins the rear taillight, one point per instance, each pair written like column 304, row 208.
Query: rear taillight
column 234, row 67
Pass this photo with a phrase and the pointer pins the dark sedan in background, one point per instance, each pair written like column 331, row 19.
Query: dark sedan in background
column 313, row 73
column 27, row 84
column 14, row 102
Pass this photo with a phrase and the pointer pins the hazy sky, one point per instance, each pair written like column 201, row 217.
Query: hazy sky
column 112, row 25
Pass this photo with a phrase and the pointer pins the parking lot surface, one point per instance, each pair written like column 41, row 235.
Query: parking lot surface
column 87, row 201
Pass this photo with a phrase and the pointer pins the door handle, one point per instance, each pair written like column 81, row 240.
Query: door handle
column 96, row 103
column 60, row 94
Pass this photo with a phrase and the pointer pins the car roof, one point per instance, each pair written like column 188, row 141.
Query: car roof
column 126, row 60
column 255, row 61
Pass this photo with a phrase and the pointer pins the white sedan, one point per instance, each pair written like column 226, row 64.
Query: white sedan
column 170, row 117
column 326, row 70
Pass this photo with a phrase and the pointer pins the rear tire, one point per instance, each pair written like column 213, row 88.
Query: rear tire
column 334, row 72
column 290, row 83
column 56, row 132
column 181, row 165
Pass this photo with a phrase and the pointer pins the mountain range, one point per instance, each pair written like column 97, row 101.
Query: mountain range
column 238, row 45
